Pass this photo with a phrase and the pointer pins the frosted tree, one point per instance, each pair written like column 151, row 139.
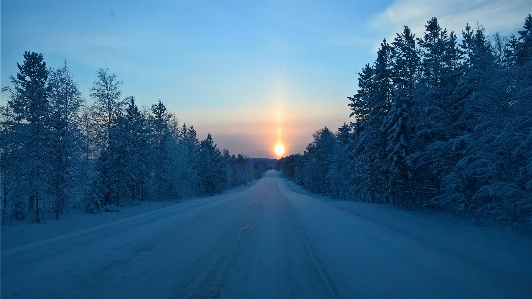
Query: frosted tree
column 211, row 168
column 318, row 160
column 238, row 168
column 340, row 170
column 360, row 102
column 65, row 138
column 30, row 108
column 110, row 166
column 291, row 166
column 523, row 49
column 12, row 175
column 123, row 165
column 106, row 94
column 370, row 105
column 360, row 105
column 136, row 140
column 436, row 109
column 513, row 145
column 163, row 145
column 106, row 113
column 188, row 177
column 398, row 125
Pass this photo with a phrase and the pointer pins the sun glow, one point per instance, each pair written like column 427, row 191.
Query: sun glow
column 279, row 149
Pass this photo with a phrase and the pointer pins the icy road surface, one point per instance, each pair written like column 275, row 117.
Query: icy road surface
column 268, row 241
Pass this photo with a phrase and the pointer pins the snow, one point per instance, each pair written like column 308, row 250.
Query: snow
column 268, row 240
column 21, row 233
column 405, row 254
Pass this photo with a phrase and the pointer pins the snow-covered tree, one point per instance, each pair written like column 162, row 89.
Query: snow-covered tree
column 106, row 122
column 164, row 147
column 188, row 176
column 107, row 105
column 397, row 125
column 65, row 138
column 12, row 175
column 435, row 109
column 30, row 108
column 318, row 159
column 371, row 105
column 523, row 49
column 340, row 170
column 137, row 136
column 211, row 168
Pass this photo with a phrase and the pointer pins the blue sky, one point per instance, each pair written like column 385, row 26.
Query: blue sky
column 249, row 72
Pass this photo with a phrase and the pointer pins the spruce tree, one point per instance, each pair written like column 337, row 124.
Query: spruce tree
column 398, row 125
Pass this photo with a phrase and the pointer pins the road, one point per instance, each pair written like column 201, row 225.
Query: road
column 263, row 242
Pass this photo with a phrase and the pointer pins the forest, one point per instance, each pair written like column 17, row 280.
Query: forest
column 440, row 122
column 57, row 152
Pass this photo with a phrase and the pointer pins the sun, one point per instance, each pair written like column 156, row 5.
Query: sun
column 279, row 148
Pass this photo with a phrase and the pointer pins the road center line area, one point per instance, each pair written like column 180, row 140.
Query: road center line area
column 265, row 241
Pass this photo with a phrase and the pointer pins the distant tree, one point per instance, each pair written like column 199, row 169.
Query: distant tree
column 211, row 168
column 318, row 159
column 340, row 170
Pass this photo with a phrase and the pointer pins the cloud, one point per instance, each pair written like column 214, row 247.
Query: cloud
column 504, row 16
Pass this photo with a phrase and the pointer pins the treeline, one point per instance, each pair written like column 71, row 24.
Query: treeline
column 58, row 152
column 439, row 123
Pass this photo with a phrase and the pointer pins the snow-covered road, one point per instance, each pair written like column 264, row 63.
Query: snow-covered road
column 268, row 241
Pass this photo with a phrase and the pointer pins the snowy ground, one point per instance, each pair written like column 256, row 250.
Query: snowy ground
column 23, row 232
column 265, row 241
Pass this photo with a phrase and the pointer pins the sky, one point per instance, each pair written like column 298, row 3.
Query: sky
column 251, row 73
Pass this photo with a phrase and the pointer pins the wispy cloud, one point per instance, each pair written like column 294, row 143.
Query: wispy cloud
column 504, row 16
